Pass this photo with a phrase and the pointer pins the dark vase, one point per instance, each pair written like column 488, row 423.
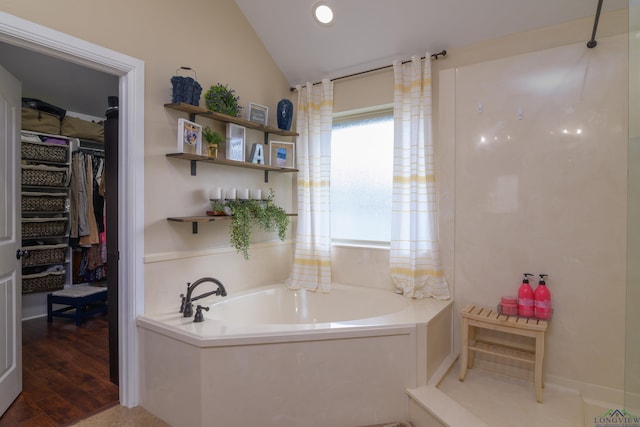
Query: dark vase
column 285, row 114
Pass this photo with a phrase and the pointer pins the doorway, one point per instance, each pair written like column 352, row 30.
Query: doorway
column 130, row 73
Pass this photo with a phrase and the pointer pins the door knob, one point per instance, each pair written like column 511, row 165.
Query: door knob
column 20, row 253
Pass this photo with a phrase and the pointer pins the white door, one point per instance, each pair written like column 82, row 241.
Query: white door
column 10, row 240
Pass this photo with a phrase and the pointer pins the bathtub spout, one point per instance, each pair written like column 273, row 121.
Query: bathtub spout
column 188, row 302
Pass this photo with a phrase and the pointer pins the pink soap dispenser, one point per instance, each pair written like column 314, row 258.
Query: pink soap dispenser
column 542, row 299
column 525, row 297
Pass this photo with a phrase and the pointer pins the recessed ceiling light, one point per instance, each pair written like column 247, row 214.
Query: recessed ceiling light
column 323, row 13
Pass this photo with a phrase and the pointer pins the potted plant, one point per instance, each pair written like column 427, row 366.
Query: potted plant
column 214, row 139
column 246, row 213
column 221, row 99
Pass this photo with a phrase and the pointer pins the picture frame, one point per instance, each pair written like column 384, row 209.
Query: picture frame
column 235, row 142
column 282, row 154
column 257, row 113
column 189, row 137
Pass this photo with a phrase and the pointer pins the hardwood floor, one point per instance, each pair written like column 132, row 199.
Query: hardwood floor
column 65, row 373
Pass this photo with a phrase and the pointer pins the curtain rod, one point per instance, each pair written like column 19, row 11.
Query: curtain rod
column 434, row 56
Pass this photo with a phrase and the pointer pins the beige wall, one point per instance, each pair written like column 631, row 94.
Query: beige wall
column 214, row 38
column 632, row 366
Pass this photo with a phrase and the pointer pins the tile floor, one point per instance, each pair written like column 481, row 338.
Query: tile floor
column 498, row 400
column 502, row 401
column 119, row 416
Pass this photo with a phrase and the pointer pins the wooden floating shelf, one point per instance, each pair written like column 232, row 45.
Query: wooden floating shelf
column 194, row 220
column 194, row 159
column 205, row 159
column 203, row 112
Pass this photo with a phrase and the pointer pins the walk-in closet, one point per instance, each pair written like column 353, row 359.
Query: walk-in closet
column 64, row 200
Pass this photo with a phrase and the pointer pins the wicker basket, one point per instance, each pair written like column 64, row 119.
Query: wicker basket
column 43, row 282
column 186, row 89
column 44, row 202
column 45, row 152
column 42, row 175
column 44, row 255
column 43, row 227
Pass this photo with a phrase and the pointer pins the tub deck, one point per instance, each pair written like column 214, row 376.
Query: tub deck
column 219, row 332
column 351, row 372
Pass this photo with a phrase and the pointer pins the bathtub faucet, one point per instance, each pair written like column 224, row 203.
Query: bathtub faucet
column 186, row 308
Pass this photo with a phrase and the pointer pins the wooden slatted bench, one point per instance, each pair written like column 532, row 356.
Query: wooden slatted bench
column 474, row 317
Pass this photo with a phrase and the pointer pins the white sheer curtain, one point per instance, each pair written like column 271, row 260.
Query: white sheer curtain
column 312, row 260
column 415, row 255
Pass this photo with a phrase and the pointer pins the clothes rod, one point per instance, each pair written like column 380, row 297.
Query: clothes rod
column 434, row 56
column 97, row 151
column 593, row 43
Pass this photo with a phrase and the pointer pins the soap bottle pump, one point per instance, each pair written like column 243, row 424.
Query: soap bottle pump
column 542, row 299
column 525, row 297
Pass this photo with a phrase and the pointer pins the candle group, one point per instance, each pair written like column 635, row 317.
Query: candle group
column 231, row 194
column 215, row 194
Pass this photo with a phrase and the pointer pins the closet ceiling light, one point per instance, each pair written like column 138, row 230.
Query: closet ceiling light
column 323, row 13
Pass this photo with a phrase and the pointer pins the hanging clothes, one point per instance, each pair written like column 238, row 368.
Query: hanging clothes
column 87, row 216
column 78, row 200
column 92, row 238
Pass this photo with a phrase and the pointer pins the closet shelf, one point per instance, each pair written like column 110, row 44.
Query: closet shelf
column 194, row 110
column 44, row 187
column 44, row 214
column 45, row 172
column 47, row 238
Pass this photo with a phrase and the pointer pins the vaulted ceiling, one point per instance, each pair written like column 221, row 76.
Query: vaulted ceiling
column 371, row 33
column 366, row 34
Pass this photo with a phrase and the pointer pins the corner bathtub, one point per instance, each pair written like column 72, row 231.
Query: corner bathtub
column 273, row 356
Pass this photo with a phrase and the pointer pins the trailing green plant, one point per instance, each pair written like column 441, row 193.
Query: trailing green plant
column 246, row 213
column 221, row 99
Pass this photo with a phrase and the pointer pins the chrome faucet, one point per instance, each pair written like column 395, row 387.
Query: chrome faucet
column 186, row 308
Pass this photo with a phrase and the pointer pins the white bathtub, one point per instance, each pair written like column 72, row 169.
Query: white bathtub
column 273, row 356
column 279, row 305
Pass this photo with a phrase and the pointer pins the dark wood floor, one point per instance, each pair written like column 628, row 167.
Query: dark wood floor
column 65, row 373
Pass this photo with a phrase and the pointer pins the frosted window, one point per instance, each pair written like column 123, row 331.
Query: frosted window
column 361, row 178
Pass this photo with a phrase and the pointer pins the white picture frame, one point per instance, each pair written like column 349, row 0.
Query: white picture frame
column 257, row 113
column 235, row 142
column 282, row 154
column 189, row 137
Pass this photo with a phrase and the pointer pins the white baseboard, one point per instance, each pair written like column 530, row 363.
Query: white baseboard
column 442, row 370
column 588, row 391
column 39, row 316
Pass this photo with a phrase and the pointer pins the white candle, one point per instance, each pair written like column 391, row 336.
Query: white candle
column 215, row 194
column 231, row 194
column 257, row 194
column 243, row 194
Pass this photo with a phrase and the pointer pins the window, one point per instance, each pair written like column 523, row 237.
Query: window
column 362, row 178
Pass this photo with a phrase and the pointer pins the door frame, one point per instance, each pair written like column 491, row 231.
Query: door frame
column 32, row 36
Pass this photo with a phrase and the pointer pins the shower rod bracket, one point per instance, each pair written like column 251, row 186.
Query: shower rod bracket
column 593, row 43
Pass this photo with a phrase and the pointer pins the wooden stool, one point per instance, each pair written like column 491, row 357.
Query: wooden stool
column 474, row 317
column 86, row 300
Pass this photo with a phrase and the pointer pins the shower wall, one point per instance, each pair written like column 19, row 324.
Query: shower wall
column 632, row 359
column 534, row 152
